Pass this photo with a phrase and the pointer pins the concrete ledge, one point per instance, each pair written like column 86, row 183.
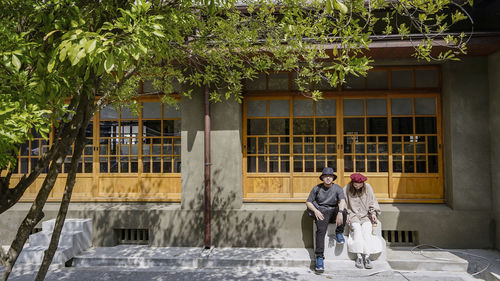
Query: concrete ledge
column 403, row 259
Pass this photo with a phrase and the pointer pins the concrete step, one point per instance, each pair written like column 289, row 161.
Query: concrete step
column 34, row 255
column 67, row 239
column 149, row 257
column 70, row 225
column 427, row 260
column 335, row 251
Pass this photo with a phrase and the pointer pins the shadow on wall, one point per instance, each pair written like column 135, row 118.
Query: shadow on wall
column 234, row 227
column 171, row 225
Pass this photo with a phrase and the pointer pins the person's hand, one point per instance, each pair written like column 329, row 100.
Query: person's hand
column 319, row 215
column 348, row 221
column 373, row 219
column 339, row 220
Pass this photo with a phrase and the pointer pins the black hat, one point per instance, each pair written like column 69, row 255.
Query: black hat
column 328, row 171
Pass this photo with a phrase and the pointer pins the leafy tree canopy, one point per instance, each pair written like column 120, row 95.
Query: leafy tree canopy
column 52, row 51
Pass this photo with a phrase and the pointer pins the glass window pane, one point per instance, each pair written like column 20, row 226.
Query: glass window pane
column 433, row 164
column 303, row 126
column 252, row 164
column 171, row 127
column 354, row 126
column 348, row 164
column 285, row 164
column 377, row 79
column 279, row 108
column 129, row 128
column 297, row 164
column 126, row 113
column 262, row 164
column 279, row 127
column 402, row 125
column 421, row 164
column 401, row 106
column 426, row 78
column 332, row 162
column 326, row 108
column 409, row 164
column 257, row 126
column 273, row 164
column 309, row 163
column 397, row 164
column 134, row 165
column 353, row 107
column 259, row 83
column 354, row 82
column 167, row 164
column 425, row 125
column 151, row 110
column 302, row 108
column 108, row 113
column 425, row 106
column 432, row 144
column 383, row 164
column 256, row 108
column 177, row 165
column 326, row 126
column 278, row 81
column 402, row 79
column 172, row 111
column 376, row 125
column 151, row 128
column 146, row 164
column 376, row 107
column 108, row 128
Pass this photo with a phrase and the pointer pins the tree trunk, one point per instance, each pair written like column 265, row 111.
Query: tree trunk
column 63, row 209
column 33, row 217
column 35, row 213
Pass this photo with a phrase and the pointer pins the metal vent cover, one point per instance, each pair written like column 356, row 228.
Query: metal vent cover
column 400, row 237
column 132, row 236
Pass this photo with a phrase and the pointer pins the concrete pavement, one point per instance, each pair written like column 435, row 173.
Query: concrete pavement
column 128, row 262
column 217, row 274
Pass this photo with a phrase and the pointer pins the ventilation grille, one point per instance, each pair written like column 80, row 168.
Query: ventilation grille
column 400, row 237
column 132, row 236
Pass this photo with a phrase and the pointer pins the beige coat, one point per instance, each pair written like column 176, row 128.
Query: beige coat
column 357, row 206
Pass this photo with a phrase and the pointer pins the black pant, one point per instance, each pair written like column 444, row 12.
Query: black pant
column 330, row 215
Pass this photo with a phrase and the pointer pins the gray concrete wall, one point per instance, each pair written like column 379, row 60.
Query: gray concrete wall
column 466, row 134
column 494, row 83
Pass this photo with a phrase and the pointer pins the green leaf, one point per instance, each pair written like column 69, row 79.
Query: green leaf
column 339, row 6
column 109, row 63
column 87, row 73
column 16, row 62
column 62, row 54
column 51, row 65
column 90, row 46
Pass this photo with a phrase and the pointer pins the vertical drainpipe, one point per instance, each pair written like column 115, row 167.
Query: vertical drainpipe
column 208, row 210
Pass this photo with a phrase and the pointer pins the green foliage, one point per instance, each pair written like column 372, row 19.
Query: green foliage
column 53, row 51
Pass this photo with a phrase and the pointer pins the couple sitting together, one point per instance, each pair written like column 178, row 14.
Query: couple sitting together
column 354, row 205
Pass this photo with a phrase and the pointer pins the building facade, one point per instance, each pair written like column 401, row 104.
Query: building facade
column 425, row 135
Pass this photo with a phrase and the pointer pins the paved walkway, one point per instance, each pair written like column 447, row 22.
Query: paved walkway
column 143, row 263
column 214, row 274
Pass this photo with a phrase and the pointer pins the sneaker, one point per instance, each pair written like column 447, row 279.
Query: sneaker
column 368, row 263
column 319, row 264
column 340, row 238
column 359, row 262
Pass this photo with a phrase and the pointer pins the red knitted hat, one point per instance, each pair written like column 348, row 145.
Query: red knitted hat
column 357, row 177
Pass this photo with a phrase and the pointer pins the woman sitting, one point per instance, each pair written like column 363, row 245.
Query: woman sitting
column 363, row 209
